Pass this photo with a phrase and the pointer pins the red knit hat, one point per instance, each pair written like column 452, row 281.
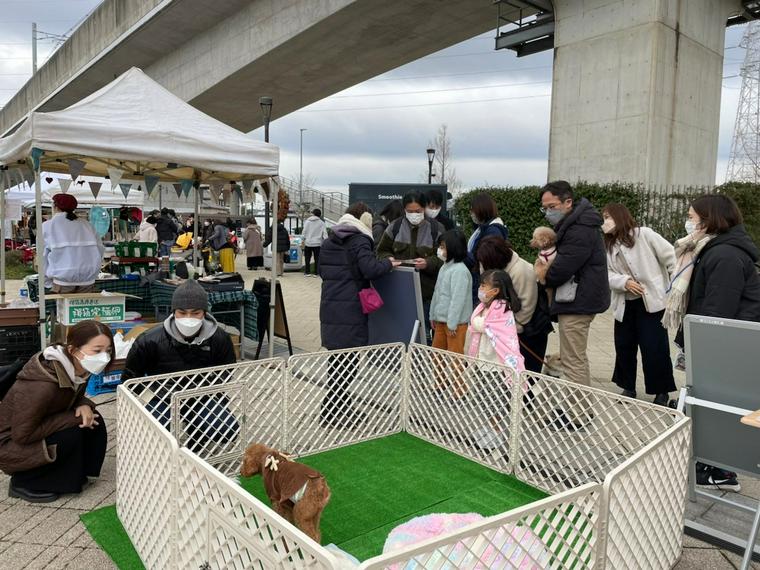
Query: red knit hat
column 65, row 202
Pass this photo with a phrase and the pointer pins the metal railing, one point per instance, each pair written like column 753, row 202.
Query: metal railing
column 306, row 198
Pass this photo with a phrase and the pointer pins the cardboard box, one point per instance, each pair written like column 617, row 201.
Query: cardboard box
column 73, row 308
column 139, row 329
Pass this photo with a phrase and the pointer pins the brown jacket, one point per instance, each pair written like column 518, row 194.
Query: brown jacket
column 41, row 402
column 252, row 239
column 290, row 476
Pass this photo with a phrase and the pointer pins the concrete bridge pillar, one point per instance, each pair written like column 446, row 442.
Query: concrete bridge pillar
column 636, row 90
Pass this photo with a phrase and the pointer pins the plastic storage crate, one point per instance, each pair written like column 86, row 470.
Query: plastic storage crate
column 136, row 249
column 18, row 342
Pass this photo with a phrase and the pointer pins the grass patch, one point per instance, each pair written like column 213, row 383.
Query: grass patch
column 380, row 484
column 376, row 486
column 106, row 529
column 15, row 268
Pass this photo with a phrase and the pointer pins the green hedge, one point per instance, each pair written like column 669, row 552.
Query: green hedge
column 747, row 196
column 663, row 210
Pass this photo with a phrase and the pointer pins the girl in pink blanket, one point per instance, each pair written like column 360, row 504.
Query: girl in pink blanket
column 493, row 335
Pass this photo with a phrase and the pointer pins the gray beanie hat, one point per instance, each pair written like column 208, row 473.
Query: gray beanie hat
column 190, row 295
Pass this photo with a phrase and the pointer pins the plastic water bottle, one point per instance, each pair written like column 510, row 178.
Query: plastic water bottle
column 22, row 301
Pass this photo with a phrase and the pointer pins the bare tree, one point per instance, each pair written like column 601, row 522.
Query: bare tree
column 443, row 166
column 304, row 206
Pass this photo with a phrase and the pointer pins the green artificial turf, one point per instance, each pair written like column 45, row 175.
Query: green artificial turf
column 380, row 484
column 375, row 486
column 105, row 528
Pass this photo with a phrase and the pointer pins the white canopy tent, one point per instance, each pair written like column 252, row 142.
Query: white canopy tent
column 135, row 128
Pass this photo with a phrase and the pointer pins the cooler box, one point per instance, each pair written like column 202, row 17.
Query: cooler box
column 107, row 381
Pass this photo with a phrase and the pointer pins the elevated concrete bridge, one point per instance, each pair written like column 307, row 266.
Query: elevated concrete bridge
column 636, row 85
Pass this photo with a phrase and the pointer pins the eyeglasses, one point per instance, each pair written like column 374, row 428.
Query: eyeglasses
column 550, row 208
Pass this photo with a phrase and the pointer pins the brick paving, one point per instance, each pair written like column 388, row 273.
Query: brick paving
column 51, row 536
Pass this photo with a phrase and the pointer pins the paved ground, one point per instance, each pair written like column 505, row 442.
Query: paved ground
column 51, row 536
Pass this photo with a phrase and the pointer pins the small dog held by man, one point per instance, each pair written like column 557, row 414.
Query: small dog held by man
column 297, row 492
column 544, row 240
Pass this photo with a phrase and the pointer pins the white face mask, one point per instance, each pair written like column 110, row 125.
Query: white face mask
column 441, row 254
column 432, row 212
column 415, row 219
column 690, row 226
column 482, row 297
column 95, row 363
column 475, row 219
column 188, row 326
column 608, row 226
column 206, row 223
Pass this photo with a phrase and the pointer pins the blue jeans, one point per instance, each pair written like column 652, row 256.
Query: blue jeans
column 206, row 418
column 165, row 247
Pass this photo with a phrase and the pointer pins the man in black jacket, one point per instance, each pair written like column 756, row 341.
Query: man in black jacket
column 580, row 260
column 434, row 210
column 283, row 245
column 188, row 339
column 167, row 232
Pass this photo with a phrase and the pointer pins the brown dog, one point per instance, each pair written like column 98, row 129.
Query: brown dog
column 544, row 240
column 297, row 492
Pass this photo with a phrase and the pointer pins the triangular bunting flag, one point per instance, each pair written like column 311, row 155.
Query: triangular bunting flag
column 216, row 189
column 178, row 189
column 150, row 183
column 64, row 183
column 125, row 187
column 247, row 185
column 29, row 176
column 75, row 167
column 115, row 175
column 14, row 178
column 186, row 186
column 95, row 188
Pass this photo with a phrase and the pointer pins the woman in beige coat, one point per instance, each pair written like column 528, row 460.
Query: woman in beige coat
column 253, row 250
column 639, row 265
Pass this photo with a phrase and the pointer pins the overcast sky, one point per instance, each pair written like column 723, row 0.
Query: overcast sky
column 496, row 107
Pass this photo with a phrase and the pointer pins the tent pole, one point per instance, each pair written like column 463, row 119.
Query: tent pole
column 5, row 185
column 39, row 255
column 274, row 195
column 197, row 187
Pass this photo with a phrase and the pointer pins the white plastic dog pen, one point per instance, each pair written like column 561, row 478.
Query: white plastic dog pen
column 616, row 469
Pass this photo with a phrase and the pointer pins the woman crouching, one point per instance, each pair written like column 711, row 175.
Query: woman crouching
column 51, row 437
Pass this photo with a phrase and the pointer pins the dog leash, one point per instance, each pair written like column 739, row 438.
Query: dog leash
column 533, row 354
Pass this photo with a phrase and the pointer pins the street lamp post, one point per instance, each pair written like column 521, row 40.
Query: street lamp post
column 266, row 111
column 431, row 156
column 300, row 171
column 274, row 189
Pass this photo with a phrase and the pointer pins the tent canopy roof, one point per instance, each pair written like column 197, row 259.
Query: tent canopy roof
column 135, row 125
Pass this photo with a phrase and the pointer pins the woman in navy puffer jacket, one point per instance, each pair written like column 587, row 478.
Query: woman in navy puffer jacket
column 347, row 263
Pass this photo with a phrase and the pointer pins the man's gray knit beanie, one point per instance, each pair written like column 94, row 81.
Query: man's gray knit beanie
column 190, row 295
